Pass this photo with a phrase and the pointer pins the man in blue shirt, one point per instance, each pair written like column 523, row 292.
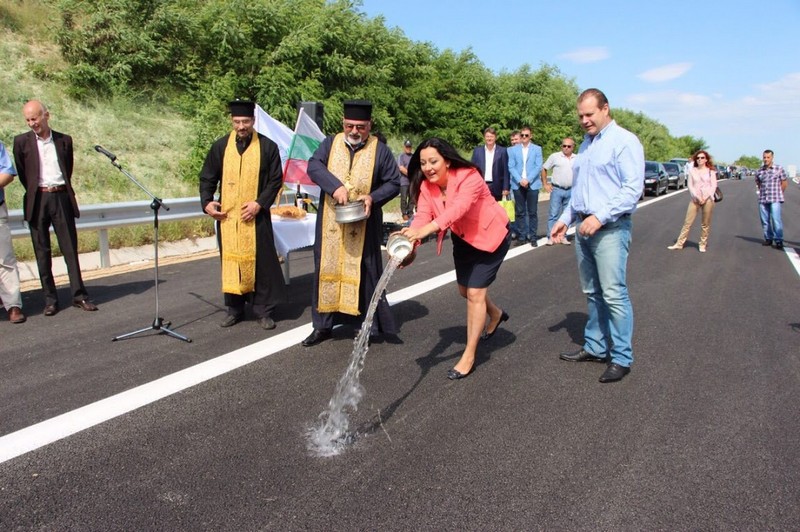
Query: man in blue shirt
column 608, row 181
column 524, row 169
column 9, row 274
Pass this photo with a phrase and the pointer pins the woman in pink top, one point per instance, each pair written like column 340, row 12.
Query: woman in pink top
column 450, row 193
column 702, row 184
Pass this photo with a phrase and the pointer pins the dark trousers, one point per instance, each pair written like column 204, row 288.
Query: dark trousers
column 406, row 203
column 54, row 209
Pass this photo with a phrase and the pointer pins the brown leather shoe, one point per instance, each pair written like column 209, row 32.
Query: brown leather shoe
column 15, row 315
column 50, row 310
column 85, row 305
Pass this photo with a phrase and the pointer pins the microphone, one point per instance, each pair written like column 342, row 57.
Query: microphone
column 100, row 149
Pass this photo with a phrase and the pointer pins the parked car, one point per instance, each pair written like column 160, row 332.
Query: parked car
column 679, row 160
column 677, row 178
column 722, row 172
column 656, row 178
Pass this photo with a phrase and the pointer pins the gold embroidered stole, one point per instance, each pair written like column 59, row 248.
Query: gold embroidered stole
column 239, row 185
column 343, row 244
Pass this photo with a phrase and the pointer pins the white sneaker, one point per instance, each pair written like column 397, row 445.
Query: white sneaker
column 549, row 242
column 566, row 242
column 675, row 246
column 702, row 249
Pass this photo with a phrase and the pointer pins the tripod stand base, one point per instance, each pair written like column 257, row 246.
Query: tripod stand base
column 158, row 325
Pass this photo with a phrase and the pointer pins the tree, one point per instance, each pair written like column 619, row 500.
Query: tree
column 195, row 55
column 750, row 161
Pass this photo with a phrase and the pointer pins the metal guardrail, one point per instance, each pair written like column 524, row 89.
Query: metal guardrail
column 101, row 217
column 104, row 216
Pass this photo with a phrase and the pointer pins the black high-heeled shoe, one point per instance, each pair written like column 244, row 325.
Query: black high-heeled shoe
column 453, row 374
column 503, row 317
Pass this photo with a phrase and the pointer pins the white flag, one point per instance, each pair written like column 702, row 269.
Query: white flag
column 274, row 131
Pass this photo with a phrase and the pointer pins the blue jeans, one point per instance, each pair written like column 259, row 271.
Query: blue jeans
column 559, row 199
column 771, row 221
column 602, row 265
column 527, row 220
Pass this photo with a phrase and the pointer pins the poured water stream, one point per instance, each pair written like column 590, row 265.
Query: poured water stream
column 330, row 435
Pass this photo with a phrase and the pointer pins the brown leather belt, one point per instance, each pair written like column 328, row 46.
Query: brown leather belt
column 59, row 188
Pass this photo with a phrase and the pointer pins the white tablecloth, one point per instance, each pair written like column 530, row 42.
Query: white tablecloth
column 291, row 234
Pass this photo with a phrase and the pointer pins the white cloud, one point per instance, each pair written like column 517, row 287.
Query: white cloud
column 586, row 55
column 768, row 116
column 685, row 101
column 665, row 73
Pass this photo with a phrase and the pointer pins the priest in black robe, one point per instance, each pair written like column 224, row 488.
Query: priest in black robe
column 351, row 166
column 245, row 167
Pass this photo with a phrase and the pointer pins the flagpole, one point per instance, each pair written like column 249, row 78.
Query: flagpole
column 297, row 193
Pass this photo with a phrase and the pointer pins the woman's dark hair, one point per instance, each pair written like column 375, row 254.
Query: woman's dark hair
column 449, row 153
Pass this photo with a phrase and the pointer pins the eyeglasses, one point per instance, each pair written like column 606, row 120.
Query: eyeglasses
column 700, row 157
column 567, row 146
column 359, row 127
column 525, row 135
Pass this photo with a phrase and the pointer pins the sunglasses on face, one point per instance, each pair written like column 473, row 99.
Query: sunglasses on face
column 567, row 146
column 359, row 127
column 701, row 157
column 525, row 135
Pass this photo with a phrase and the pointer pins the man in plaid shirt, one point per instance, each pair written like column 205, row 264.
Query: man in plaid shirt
column 771, row 182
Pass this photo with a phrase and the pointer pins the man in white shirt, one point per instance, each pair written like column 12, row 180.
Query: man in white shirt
column 560, row 185
column 44, row 163
column 493, row 163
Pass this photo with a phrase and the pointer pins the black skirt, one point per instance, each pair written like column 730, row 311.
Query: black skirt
column 476, row 268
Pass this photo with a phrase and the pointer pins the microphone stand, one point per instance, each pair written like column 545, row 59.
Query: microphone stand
column 158, row 322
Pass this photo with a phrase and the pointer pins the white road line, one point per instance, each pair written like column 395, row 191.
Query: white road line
column 51, row 430
column 794, row 257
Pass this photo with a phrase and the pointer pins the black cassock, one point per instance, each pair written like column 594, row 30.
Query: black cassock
column 270, row 288
column 385, row 186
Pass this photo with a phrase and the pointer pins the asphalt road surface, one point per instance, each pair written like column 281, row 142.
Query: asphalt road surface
column 153, row 433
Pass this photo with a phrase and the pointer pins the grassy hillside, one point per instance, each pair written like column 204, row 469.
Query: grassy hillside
column 149, row 139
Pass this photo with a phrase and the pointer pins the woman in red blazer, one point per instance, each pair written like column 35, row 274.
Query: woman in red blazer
column 450, row 193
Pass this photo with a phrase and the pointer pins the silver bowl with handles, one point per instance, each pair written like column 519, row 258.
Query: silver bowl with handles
column 353, row 211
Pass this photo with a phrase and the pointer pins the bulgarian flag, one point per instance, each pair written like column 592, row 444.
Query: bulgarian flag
column 307, row 138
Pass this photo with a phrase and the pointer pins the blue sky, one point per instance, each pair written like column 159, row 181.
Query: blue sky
column 728, row 72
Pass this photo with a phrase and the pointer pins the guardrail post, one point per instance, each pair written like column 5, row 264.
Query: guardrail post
column 105, row 256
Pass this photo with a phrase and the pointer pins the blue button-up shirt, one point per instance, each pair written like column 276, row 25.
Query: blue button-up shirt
column 608, row 176
column 6, row 167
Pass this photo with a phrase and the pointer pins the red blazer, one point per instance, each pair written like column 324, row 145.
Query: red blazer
column 471, row 211
column 26, row 159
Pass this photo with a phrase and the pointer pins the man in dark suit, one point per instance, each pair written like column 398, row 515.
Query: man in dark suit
column 44, row 163
column 496, row 172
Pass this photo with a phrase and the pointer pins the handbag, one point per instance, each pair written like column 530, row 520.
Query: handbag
column 508, row 205
column 717, row 195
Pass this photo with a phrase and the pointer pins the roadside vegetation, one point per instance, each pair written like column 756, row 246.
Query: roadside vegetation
column 149, row 80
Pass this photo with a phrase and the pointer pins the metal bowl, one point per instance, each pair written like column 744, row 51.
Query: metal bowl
column 399, row 246
column 353, row 211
